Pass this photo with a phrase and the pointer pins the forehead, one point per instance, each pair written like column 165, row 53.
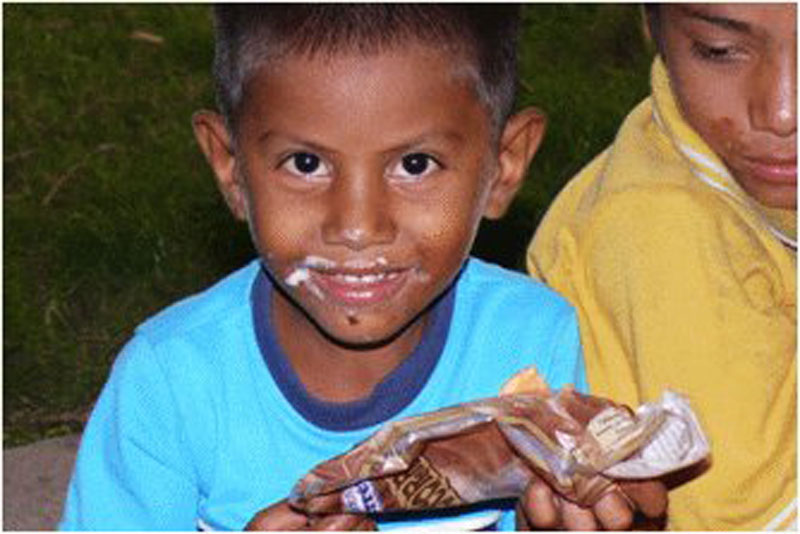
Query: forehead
column 761, row 20
column 398, row 86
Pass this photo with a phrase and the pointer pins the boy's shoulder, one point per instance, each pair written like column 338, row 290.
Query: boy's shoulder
column 505, row 320
column 641, row 156
column 225, row 300
column 639, row 184
column 484, row 283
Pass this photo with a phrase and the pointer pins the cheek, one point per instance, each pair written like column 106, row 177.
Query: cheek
column 279, row 231
column 448, row 227
column 718, row 116
column 724, row 136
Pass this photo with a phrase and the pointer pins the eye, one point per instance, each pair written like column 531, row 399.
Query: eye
column 306, row 164
column 719, row 54
column 415, row 165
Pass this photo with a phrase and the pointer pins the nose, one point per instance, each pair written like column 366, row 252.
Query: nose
column 773, row 106
column 358, row 211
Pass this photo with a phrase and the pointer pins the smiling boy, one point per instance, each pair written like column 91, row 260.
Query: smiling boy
column 362, row 144
column 678, row 247
column 363, row 195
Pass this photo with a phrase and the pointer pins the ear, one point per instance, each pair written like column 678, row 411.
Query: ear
column 651, row 26
column 215, row 142
column 519, row 142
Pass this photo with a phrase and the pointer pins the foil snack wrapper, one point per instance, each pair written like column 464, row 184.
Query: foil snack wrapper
column 491, row 448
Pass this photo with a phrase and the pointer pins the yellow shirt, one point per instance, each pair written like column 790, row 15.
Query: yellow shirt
column 682, row 281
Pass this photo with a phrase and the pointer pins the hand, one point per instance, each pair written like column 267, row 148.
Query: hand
column 542, row 508
column 281, row 516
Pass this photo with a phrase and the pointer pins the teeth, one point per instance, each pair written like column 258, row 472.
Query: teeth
column 363, row 278
column 372, row 278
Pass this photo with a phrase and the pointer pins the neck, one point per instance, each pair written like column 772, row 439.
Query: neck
column 332, row 371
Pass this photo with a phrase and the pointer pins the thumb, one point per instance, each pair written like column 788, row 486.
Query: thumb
column 279, row 516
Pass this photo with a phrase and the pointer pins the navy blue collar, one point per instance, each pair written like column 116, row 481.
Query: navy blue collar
column 389, row 397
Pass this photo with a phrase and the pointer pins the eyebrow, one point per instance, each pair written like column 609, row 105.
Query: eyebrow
column 427, row 137
column 269, row 135
column 724, row 22
column 434, row 136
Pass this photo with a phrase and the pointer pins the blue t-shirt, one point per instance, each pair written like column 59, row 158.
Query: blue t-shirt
column 203, row 422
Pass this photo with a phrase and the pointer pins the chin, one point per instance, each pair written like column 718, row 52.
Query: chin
column 363, row 342
column 785, row 204
column 771, row 192
column 357, row 336
column 785, row 200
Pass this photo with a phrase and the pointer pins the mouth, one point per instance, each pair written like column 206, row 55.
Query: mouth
column 778, row 171
column 353, row 284
column 359, row 288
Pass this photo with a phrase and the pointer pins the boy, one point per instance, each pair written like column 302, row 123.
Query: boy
column 362, row 144
column 678, row 247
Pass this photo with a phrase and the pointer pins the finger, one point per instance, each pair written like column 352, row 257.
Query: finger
column 366, row 524
column 614, row 511
column 649, row 496
column 326, row 504
column 279, row 516
column 341, row 522
column 576, row 517
column 540, row 506
column 521, row 521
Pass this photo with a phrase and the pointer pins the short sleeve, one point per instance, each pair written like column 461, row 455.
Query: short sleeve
column 131, row 471
column 566, row 365
column 676, row 291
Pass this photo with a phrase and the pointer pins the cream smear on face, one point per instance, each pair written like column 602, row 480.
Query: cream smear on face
column 300, row 274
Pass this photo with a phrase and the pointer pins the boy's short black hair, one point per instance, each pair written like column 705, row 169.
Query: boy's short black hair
column 247, row 35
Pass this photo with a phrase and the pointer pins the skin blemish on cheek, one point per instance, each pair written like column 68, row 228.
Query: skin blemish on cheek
column 725, row 130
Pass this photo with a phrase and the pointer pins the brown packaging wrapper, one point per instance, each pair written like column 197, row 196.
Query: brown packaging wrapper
column 483, row 450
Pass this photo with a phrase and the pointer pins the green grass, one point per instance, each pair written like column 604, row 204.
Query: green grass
column 110, row 212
